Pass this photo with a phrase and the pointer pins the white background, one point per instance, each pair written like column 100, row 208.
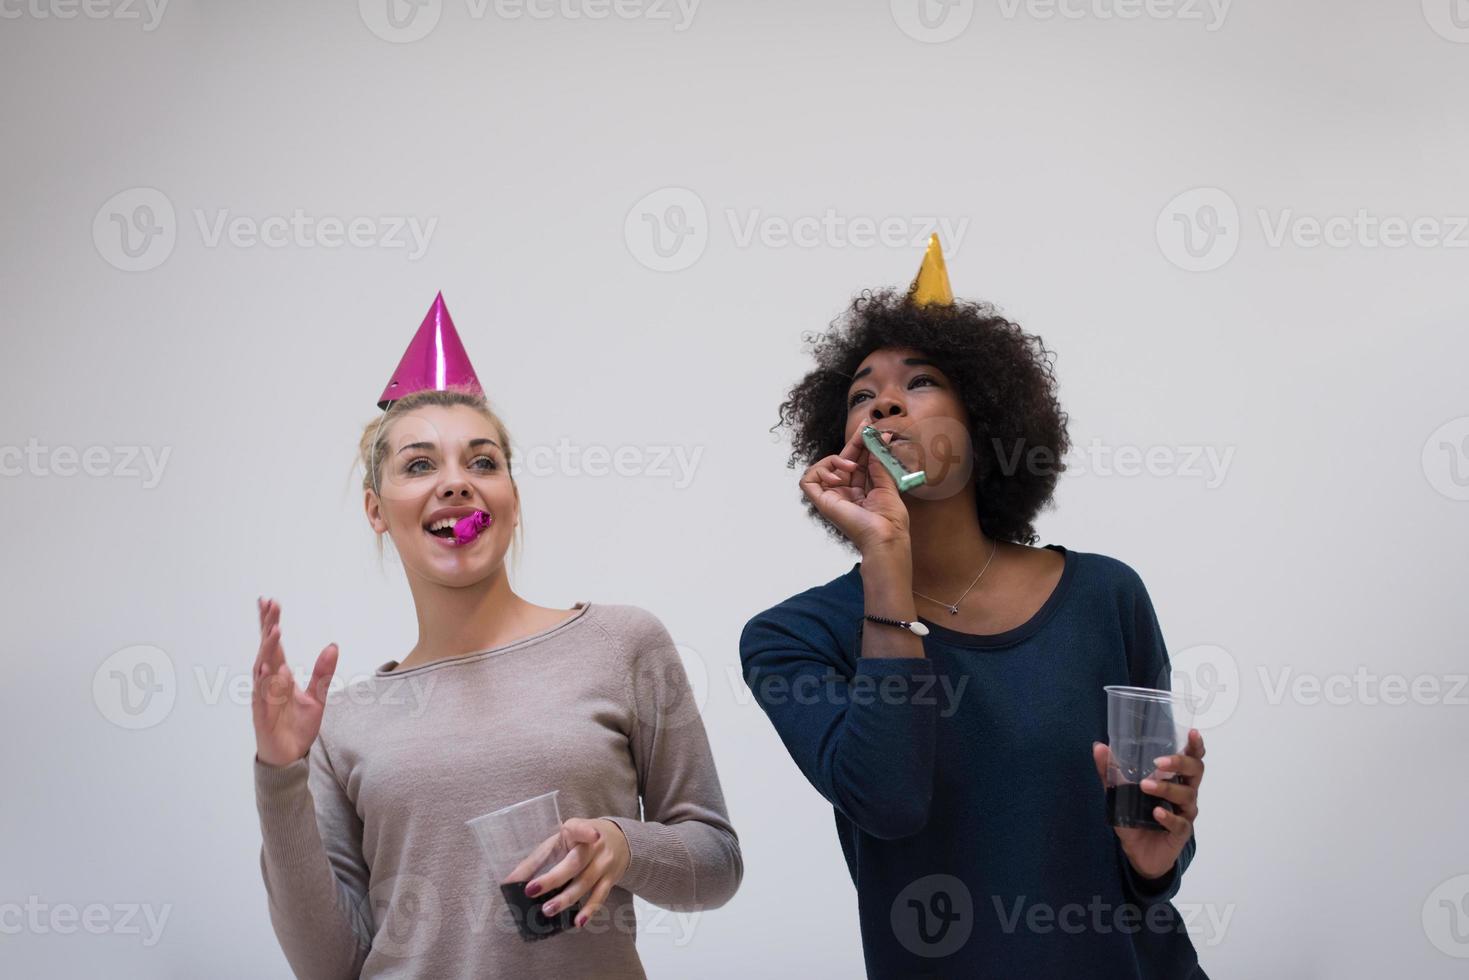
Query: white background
column 1332, row 546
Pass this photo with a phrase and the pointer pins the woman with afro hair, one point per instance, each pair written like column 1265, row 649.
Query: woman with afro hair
column 945, row 694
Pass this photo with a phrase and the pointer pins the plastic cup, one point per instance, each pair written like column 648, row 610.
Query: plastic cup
column 520, row 842
column 1142, row 724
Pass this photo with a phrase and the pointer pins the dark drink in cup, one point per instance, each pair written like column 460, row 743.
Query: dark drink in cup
column 527, row 912
column 1143, row 724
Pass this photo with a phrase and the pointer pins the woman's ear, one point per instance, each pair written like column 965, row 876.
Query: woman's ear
column 373, row 506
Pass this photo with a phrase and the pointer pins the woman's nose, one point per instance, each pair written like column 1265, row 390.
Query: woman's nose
column 893, row 408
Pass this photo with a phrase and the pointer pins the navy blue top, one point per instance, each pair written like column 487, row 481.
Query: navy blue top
column 967, row 802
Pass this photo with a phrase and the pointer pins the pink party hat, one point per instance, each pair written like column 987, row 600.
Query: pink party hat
column 435, row 359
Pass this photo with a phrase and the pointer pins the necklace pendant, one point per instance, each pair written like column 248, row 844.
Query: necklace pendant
column 953, row 610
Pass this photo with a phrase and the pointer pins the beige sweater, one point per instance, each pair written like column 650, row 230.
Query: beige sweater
column 369, row 868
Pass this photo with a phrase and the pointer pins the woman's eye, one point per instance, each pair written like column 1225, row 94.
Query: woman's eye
column 856, row 398
column 922, row 377
column 489, row 462
column 410, row 467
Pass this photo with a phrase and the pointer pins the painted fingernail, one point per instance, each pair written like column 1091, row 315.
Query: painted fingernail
column 581, row 920
column 533, row 889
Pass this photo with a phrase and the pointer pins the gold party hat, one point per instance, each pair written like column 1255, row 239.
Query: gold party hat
column 932, row 282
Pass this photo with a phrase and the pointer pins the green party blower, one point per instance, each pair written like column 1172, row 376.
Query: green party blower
column 906, row 481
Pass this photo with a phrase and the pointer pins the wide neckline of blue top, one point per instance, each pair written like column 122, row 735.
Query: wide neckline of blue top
column 943, row 634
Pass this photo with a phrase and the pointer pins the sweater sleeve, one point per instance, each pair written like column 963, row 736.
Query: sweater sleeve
column 1149, row 666
column 684, row 854
column 311, row 859
column 864, row 735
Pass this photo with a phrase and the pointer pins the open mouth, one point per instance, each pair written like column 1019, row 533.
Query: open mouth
column 459, row 528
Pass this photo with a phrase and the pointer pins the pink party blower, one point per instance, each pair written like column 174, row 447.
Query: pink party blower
column 466, row 529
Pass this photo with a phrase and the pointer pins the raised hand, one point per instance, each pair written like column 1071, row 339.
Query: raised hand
column 287, row 719
column 855, row 492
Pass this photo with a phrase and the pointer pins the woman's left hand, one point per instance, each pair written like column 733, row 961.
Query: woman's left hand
column 597, row 860
column 1153, row 854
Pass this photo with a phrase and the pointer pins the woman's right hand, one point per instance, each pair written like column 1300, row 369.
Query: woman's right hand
column 859, row 496
column 287, row 719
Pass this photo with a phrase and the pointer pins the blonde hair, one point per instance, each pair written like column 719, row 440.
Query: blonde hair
column 372, row 449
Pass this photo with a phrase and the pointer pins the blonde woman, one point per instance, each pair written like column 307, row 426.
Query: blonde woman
column 363, row 799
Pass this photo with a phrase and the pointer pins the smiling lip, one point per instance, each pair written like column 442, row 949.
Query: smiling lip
column 453, row 513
